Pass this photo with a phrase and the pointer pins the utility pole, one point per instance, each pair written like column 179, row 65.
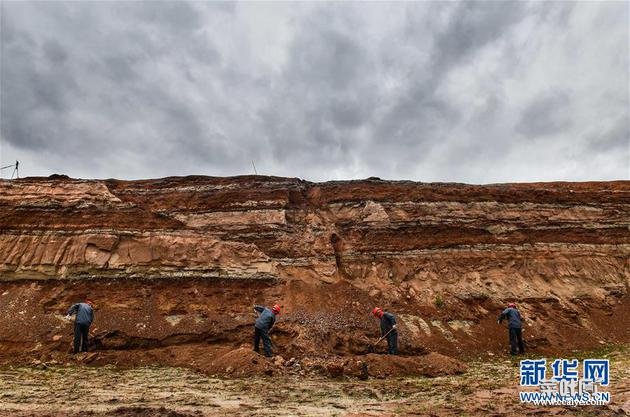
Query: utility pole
column 16, row 172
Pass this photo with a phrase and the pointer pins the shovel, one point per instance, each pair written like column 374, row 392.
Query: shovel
column 373, row 345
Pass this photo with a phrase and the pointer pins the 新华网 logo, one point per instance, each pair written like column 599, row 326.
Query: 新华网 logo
column 566, row 385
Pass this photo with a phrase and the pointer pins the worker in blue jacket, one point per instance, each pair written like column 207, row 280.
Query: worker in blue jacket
column 264, row 323
column 515, row 328
column 84, row 318
column 388, row 329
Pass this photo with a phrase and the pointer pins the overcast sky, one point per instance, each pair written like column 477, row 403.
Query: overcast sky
column 476, row 92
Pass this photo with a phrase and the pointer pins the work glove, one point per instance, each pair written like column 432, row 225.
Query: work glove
column 498, row 321
column 394, row 327
column 67, row 317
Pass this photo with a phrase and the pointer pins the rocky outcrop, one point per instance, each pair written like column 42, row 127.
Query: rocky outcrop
column 445, row 256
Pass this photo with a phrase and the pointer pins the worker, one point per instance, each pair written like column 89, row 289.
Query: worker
column 515, row 328
column 388, row 329
column 264, row 323
column 84, row 318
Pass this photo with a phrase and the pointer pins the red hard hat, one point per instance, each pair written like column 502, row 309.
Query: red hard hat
column 512, row 305
column 377, row 311
column 87, row 301
column 276, row 309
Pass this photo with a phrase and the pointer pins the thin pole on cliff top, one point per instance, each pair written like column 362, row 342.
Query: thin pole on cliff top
column 255, row 173
column 15, row 166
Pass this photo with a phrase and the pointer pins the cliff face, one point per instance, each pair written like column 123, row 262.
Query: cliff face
column 198, row 251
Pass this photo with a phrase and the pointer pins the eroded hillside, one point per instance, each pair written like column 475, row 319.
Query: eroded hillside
column 174, row 265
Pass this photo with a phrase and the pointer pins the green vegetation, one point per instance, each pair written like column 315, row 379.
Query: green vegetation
column 439, row 302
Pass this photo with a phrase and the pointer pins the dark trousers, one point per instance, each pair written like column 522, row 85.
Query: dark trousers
column 392, row 343
column 262, row 334
column 81, row 337
column 516, row 341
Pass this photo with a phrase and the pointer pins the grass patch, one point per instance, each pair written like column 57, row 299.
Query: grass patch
column 439, row 301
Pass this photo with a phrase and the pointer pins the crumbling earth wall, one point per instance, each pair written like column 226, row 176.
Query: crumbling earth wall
column 179, row 262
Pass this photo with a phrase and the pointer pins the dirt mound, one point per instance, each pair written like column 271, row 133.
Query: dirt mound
column 433, row 364
column 381, row 366
column 238, row 363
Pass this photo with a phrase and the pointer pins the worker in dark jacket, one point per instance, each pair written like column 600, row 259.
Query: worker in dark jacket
column 388, row 329
column 85, row 317
column 264, row 323
column 515, row 328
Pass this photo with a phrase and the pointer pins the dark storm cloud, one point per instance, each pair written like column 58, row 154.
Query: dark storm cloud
column 422, row 115
column 55, row 53
column 467, row 91
column 614, row 139
column 326, row 95
column 102, row 95
column 168, row 16
column 472, row 25
column 546, row 115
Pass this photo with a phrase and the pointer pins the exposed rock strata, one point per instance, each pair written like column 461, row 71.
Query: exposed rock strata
column 445, row 256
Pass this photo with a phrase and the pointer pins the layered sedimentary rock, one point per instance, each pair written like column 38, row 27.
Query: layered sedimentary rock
column 190, row 255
